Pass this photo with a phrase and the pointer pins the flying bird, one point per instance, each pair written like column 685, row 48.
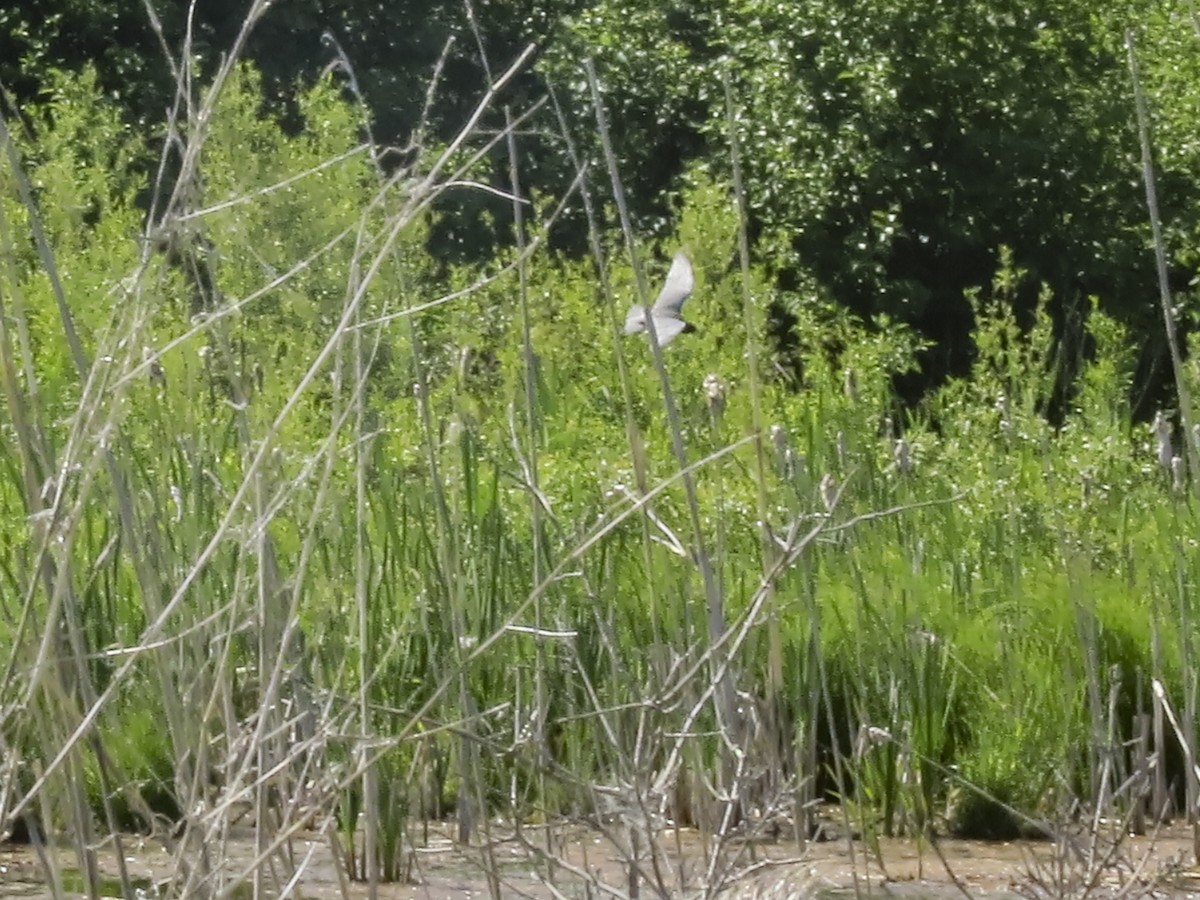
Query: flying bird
column 666, row 309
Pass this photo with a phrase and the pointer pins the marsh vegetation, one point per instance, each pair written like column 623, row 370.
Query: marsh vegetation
column 311, row 525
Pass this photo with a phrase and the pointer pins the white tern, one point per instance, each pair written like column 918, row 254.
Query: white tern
column 666, row 309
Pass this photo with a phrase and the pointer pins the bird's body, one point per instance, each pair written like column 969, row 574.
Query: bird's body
column 667, row 309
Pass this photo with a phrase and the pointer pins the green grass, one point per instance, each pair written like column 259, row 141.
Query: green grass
column 281, row 557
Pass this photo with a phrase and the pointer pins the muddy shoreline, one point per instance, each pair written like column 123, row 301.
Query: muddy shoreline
column 569, row 857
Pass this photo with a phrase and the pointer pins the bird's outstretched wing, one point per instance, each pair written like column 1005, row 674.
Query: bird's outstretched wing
column 669, row 329
column 676, row 289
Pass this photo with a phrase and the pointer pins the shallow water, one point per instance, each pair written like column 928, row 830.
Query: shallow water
column 833, row 870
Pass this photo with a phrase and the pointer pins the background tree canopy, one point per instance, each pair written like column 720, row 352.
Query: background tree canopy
column 892, row 147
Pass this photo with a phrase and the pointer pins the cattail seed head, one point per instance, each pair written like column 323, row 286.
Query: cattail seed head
column 1002, row 407
column 177, row 499
column 779, row 438
column 714, row 392
column 850, row 385
column 870, row 736
column 1162, row 440
column 157, row 375
column 829, row 491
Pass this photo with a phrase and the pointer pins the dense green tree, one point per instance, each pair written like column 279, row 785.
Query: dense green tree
column 893, row 147
column 393, row 51
column 394, row 48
